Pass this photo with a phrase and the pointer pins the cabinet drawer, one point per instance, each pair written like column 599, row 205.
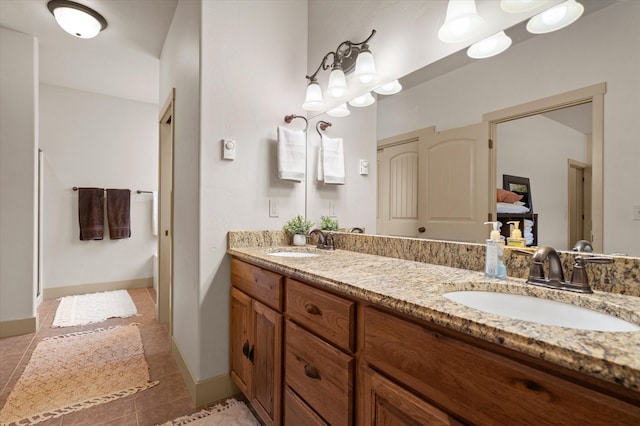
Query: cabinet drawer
column 296, row 412
column 484, row 388
column 263, row 285
column 321, row 374
column 327, row 315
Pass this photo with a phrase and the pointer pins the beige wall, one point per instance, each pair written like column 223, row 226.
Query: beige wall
column 18, row 174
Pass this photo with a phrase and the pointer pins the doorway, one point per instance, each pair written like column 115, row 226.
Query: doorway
column 164, row 299
column 595, row 96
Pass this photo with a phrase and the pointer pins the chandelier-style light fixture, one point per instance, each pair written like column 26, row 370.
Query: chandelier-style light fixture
column 555, row 18
column 77, row 19
column 490, row 46
column 347, row 57
column 461, row 22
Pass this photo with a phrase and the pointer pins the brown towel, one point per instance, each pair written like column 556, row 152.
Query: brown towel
column 91, row 213
column 118, row 213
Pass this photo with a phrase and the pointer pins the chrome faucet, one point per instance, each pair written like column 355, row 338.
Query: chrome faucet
column 356, row 230
column 583, row 245
column 325, row 242
column 579, row 279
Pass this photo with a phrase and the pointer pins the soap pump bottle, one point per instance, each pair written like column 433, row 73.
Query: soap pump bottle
column 494, row 264
column 516, row 240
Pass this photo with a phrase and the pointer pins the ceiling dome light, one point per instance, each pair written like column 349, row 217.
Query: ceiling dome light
column 362, row 101
column 339, row 111
column 490, row 46
column 519, row 6
column 313, row 101
column 461, row 23
column 555, row 18
column 365, row 66
column 77, row 19
column 390, row 88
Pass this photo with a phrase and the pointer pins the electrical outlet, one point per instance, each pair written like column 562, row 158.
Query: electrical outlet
column 636, row 212
column 273, row 208
column 332, row 209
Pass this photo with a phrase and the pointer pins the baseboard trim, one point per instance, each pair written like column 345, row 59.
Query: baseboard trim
column 56, row 292
column 17, row 327
column 206, row 391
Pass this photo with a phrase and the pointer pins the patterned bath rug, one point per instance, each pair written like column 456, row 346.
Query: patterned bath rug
column 75, row 371
column 95, row 307
column 229, row 413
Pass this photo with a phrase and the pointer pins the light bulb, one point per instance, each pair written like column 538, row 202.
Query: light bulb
column 362, row 101
column 490, row 46
column 390, row 88
column 365, row 67
column 313, row 101
column 461, row 22
column 77, row 22
column 339, row 111
column 337, row 82
column 555, row 18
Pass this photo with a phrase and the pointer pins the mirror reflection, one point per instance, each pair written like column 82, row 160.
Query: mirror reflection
column 532, row 69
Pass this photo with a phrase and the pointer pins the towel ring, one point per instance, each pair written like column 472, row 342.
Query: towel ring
column 323, row 126
column 289, row 118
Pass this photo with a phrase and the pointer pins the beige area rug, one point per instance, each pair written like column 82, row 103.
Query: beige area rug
column 75, row 371
column 95, row 307
column 229, row 413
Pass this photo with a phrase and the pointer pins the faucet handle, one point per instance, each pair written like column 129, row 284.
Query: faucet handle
column 579, row 277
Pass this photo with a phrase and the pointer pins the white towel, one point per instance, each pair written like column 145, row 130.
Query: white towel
column 320, row 169
column 154, row 214
column 332, row 160
column 291, row 154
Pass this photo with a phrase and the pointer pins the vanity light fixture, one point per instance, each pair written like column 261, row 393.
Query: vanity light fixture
column 390, row 88
column 347, row 57
column 555, row 18
column 340, row 111
column 362, row 101
column 490, row 46
column 519, row 6
column 461, row 22
column 77, row 19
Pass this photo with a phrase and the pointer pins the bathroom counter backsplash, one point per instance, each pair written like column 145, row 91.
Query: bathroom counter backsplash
column 622, row 276
column 415, row 288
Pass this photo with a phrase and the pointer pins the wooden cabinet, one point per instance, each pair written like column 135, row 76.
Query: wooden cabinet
column 479, row 386
column 321, row 374
column 385, row 403
column 256, row 338
column 296, row 350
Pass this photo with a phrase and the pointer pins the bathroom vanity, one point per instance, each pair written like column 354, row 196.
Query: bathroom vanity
column 341, row 337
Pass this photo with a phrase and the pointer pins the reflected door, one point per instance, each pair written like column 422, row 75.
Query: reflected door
column 398, row 190
column 453, row 199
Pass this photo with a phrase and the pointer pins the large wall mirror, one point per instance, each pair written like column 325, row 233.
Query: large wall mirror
column 456, row 93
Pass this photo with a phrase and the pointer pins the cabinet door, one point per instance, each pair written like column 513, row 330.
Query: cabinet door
column 241, row 341
column 267, row 363
column 386, row 404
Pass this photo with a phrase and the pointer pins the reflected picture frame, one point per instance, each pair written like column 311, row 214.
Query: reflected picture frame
column 521, row 186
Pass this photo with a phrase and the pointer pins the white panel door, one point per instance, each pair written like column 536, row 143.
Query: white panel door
column 398, row 190
column 454, row 175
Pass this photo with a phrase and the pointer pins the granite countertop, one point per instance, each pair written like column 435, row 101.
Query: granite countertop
column 416, row 289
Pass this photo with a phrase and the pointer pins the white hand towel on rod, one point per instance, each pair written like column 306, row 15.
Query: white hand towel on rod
column 291, row 154
column 333, row 160
column 154, row 214
column 320, row 168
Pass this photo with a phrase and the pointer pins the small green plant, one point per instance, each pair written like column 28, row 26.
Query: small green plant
column 298, row 226
column 329, row 223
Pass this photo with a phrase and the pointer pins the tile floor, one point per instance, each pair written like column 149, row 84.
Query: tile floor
column 157, row 405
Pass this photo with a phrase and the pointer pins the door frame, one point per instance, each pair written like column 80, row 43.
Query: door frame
column 164, row 298
column 595, row 95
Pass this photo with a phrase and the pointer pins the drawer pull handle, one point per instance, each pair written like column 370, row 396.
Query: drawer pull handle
column 245, row 349
column 312, row 309
column 311, row 371
column 251, row 354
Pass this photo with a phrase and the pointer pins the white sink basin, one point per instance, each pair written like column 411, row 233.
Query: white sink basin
column 541, row 311
column 293, row 254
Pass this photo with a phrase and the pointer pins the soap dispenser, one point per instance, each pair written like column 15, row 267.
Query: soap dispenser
column 494, row 264
column 516, row 240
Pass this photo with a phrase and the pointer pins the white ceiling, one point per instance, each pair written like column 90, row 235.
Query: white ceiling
column 123, row 60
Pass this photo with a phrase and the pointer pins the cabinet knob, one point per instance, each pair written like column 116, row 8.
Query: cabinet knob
column 251, row 354
column 311, row 371
column 245, row 349
column 422, row 229
column 312, row 309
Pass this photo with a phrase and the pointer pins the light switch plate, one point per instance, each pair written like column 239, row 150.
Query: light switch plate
column 273, row 208
column 364, row 167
